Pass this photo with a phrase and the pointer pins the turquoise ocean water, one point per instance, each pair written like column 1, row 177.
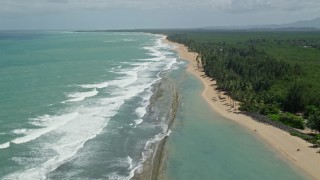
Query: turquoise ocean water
column 74, row 105
column 91, row 106
column 204, row 145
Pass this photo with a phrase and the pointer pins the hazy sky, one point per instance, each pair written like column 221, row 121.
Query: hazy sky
column 124, row 14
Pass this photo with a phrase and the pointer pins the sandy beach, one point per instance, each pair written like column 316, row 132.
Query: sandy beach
column 307, row 158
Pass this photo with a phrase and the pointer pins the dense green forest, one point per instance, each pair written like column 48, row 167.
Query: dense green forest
column 276, row 74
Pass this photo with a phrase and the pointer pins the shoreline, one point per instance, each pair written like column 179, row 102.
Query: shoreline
column 306, row 159
column 153, row 166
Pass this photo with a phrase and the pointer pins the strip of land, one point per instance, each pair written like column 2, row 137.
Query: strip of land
column 299, row 152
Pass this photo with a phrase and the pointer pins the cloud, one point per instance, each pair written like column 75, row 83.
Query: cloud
column 235, row 6
column 265, row 5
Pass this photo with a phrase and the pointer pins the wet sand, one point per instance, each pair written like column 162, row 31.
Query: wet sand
column 153, row 167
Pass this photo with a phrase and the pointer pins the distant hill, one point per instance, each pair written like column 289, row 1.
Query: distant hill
column 313, row 23
column 303, row 25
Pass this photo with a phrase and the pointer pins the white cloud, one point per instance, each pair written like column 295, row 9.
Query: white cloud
column 47, row 6
column 265, row 5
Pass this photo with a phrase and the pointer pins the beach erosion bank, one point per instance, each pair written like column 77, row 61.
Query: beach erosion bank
column 286, row 145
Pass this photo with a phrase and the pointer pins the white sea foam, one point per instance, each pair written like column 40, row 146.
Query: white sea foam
column 41, row 121
column 125, row 162
column 5, row 145
column 90, row 121
column 88, row 124
column 122, row 162
column 148, row 147
column 97, row 85
column 20, row 131
column 79, row 96
column 115, row 176
column 133, row 170
column 156, row 139
column 158, row 57
column 153, row 51
column 141, row 111
column 50, row 122
column 171, row 62
column 146, row 154
column 128, row 40
column 132, row 76
column 129, row 162
column 138, row 121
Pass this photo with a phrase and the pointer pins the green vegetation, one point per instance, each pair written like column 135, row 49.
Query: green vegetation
column 271, row 73
column 302, row 136
column 288, row 119
column 292, row 120
column 313, row 116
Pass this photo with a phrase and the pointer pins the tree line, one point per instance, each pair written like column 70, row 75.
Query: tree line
column 262, row 83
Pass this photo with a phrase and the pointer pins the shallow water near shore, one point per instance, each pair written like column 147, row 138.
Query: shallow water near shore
column 205, row 145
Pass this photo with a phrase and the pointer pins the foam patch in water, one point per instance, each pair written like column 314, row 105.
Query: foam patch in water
column 80, row 96
column 98, row 85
